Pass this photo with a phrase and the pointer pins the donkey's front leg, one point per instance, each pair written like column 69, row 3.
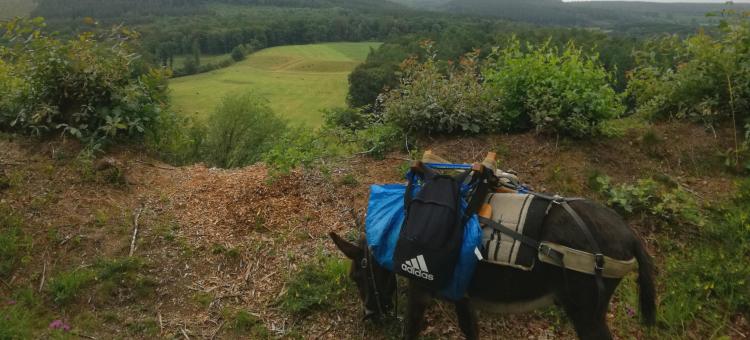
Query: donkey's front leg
column 418, row 301
column 467, row 319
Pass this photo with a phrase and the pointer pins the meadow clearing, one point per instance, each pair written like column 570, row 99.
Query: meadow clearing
column 298, row 80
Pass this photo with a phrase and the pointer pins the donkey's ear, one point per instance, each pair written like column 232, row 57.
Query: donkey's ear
column 351, row 251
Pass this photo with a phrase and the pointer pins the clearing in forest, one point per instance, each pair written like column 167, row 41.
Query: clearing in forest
column 298, row 80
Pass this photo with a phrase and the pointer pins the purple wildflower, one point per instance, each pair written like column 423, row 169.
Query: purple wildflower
column 630, row 311
column 59, row 324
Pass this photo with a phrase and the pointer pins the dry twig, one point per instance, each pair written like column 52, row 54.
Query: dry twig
column 44, row 273
column 135, row 232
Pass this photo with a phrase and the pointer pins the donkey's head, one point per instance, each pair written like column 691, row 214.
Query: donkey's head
column 376, row 284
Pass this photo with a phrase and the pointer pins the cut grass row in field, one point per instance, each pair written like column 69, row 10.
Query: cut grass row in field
column 16, row 8
column 299, row 80
column 179, row 61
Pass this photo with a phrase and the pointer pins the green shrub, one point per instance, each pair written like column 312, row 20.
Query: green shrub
column 67, row 286
column 241, row 130
column 429, row 101
column 16, row 322
column 238, row 54
column 345, row 117
column 13, row 242
column 566, row 92
column 665, row 200
column 710, row 280
column 316, row 285
column 248, row 324
column 297, row 147
column 703, row 77
column 178, row 139
column 93, row 87
column 379, row 139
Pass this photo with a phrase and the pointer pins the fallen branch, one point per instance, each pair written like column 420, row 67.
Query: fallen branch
column 155, row 166
column 184, row 333
column 135, row 232
column 6, row 284
column 84, row 336
column 44, row 273
column 218, row 329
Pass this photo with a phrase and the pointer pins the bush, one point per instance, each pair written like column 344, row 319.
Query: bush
column 379, row 139
column 345, row 117
column 245, row 323
column 238, row 54
column 566, row 92
column 297, row 147
column 704, row 78
column 178, row 139
column 317, row 285
column 66, row 287
column 241, row 130
column 428, row 101
column 709, row 281
column 13, row 243
column 93, row 87
column 664, row 200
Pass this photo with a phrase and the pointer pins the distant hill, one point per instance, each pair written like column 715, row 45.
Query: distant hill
column 619, row 15
column 106, row 9
column 13, row 8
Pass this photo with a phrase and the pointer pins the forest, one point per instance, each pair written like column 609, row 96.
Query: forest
column 122, row 215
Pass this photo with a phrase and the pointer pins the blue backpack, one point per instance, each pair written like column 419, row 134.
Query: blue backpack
column 386, row 215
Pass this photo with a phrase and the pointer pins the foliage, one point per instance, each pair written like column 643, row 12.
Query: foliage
column 67, row 286
column 13, row 242
column 707, row 280
column 242, row 322
column 352, row 119
column 316, row 285
column 566, row 92
column 297, row 147
column 241, row 130
column 93, row 87
column 702, row 77
column 664, row 200
column 16, row 322
column 429, row 102
column 379, row 139
column 238, row 54
column 178, row 139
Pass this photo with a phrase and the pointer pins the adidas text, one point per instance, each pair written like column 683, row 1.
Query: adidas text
column 413, row 267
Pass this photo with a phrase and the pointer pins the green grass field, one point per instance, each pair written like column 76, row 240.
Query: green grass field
column 16, row 8
column 299, row 81
column 179, row 61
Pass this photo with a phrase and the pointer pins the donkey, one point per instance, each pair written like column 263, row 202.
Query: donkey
column 505, row 289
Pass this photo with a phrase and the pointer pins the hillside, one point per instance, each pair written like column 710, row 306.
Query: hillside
column 217, row 250
column 636, row 17
column 13, row 8
column 299, row 81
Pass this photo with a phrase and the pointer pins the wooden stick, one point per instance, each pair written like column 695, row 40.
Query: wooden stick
column 182, row 329
column 135, row 232
column 154, row 165
column 6, row 284
column 44, row 272
column 218, row 329
column 161, row 324
column 85, row 336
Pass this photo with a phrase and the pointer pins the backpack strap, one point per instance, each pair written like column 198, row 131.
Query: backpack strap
column 542, row 248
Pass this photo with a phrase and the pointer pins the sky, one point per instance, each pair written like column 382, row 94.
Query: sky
column 683, row 1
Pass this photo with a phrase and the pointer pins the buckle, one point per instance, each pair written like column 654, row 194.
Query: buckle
column 599, row 262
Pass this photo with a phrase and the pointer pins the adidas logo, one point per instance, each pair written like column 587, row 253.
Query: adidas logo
column 418, row 268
